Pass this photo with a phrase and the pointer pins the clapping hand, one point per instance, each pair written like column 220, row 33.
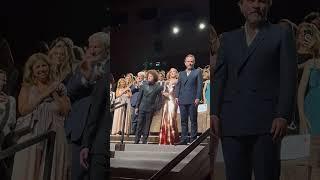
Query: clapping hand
column 51, row 88
column 3, row 97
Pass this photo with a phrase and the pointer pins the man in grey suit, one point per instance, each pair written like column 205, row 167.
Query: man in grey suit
column 253, row 93
column 188, row 95
column 145, row 106
column 88, row 89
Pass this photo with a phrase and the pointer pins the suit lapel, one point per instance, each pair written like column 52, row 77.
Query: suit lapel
column 249, row 50
column 188, row 77
column 184, row 77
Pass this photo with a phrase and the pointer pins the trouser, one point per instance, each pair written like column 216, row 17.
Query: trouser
column 134, row 121
column 77, row 171
column 144, row 122
column 99, row 168
column 257, row 152
column 186, row 111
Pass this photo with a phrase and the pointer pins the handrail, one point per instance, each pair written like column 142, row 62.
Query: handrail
column 49, row 150
column 173, row 163
column 117, row 107
column 124, row 122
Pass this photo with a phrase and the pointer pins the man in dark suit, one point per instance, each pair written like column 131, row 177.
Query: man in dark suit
column 253, row 94
column 89, row 111
column 146, row 106
column 133, row 101
column 95, row 150
column 188, row 95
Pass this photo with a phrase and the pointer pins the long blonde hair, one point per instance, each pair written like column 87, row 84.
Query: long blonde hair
column 65, row 68
column 168, row 74
column 119, row 83
column 132, row 79
column 28, row 71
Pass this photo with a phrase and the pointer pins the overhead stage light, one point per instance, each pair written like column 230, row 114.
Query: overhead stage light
column 175, row 30
column 202, row 26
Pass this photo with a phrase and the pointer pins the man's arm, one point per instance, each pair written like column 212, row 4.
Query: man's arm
column 134, row 89
column 140, row 96
column 100, row 105
column 219, row 78
column 288, row 73
column 77, row 84
column 178, row 85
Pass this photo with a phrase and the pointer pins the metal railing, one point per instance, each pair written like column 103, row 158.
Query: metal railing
column 173, row 163
column 49, row 136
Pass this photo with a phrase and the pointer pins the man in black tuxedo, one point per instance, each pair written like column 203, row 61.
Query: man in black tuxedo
column 145, row 106
column 253, row 93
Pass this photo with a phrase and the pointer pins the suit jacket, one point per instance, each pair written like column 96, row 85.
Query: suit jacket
column 147, row 97
column 80, row 97
column 189, row 88
column 99, row 123
column 135, row 94
column 254, row 84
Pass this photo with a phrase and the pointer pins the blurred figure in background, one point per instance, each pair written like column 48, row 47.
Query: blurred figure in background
column 309, row 87
column 7, row 124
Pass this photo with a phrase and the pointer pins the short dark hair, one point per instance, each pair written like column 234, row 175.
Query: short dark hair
column 154, row 73
column 192, row 56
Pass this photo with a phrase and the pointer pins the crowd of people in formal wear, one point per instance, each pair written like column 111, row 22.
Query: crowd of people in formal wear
column 56, row 90
column 162, row 117
column 56, row 95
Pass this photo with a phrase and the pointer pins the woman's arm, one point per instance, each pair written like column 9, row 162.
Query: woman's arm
column 127, row 92
column 204, row 92
column 26, row 106
column 304, row 123
column 63, row 103
column 118, row 93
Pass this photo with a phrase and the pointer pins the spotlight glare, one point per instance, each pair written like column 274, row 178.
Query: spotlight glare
column 175, row 30
column 202, row 26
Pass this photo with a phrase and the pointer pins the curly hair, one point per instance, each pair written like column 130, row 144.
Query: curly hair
column 154, row 73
